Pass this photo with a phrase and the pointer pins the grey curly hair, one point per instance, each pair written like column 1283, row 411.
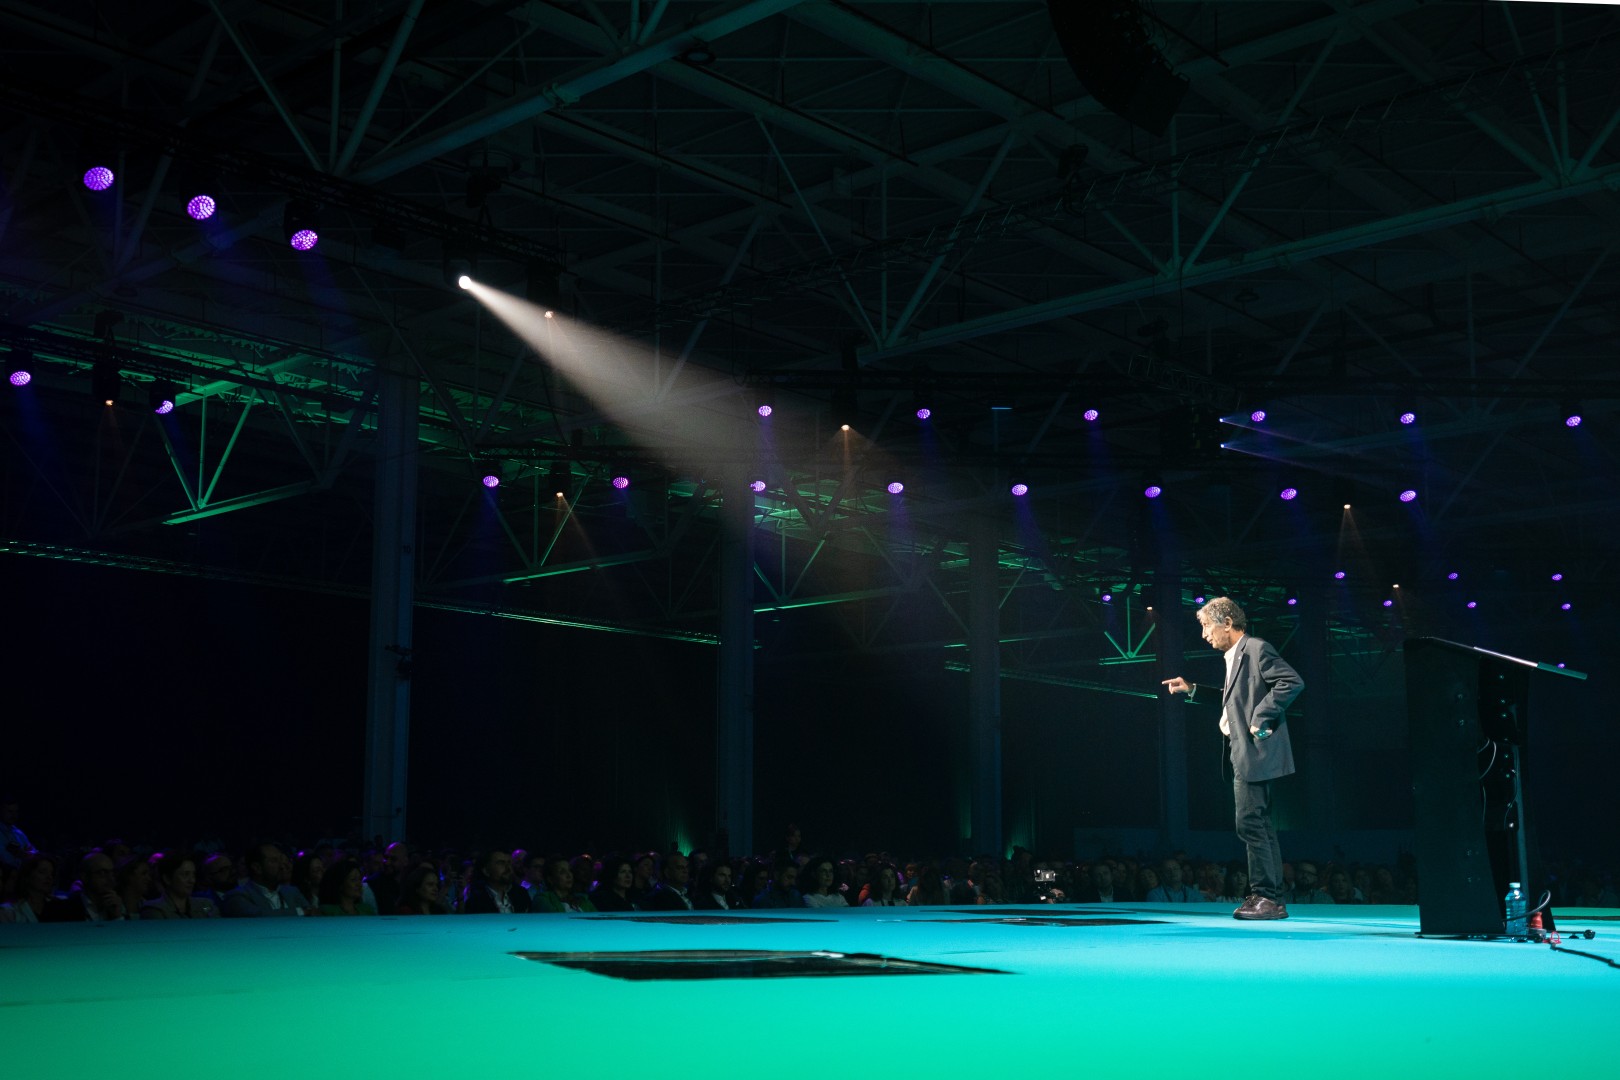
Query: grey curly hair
column 1222, row 608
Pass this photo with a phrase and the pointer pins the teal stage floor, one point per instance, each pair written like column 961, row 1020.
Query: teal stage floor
column 1134, row 990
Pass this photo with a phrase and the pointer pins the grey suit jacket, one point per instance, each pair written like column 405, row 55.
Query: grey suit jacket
column 1262, row 686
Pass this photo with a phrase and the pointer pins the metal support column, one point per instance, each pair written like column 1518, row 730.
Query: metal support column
column 393, row 575
column 1174, row 623
column 734, row 735
column 984, row 685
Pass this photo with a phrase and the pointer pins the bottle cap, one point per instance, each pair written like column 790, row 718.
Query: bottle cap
column 1513, row 885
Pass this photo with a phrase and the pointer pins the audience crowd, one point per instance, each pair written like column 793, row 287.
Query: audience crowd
column 120, row 880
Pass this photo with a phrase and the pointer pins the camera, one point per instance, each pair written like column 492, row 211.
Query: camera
column 1046, row 887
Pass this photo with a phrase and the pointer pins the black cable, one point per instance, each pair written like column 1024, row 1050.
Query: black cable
column 1546, row 898
column 1588, row 955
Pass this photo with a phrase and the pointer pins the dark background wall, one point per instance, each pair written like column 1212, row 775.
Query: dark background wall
column 171, row 708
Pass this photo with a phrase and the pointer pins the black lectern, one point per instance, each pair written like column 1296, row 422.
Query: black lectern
column 1467, row 713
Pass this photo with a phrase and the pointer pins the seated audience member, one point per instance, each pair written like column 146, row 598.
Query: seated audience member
column 1340, row 891
column 34, row 890
column 14, row 845
column 219, row 877
column 560, row 897
column 93, row 898
column 585, row 871
column 883, row 890
column 493, row 889
column 752, row 880
column 1100, row 889
column 419, row 892
column 991, row 890
column 176, row 874
column 1306, row 888
column 385, row 882
column 928, row 887
column 342, row 891
column 820, row 875
column 1383, row 889
column 713, row 892
column 1237, row 884
column 263, row 894
column 783, row 891
column 612, row 892
column 135, row 887
column 672, row 894
column 1170, row 889
column 642, row 885
column 533, row 867
column 307, row 871
column 1147, row 879
column 1212, row 881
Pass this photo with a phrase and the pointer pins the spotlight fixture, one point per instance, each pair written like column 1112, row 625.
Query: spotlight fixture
column 1389, row 603
column 1152, row 491
column 1472, row 604
column 1408, row 418
column 924, row 413
column 106, row 384
column 698, row 54
column 543, row 288
column 460, row 263
column 1565, row 606
column 756, row 486
column 1452, row 576
column 491, row 480
column 1258, row 416
column 1288, row 494
column 1408, row 495
column 561, row 479
column 1198, row 599
column 18, row 365
column 896, row 487
column 201, row 207
column 1558, row 577
column 298, row 226
column 1108, row 598
column 1571, row 412
column 161, row 397
column 1293, row 600
column 765, row 401
column 621, row 482
column 1338, row 575
column 1019, row 489
column 843, row 427
column 98, row 178
column 1090, row 415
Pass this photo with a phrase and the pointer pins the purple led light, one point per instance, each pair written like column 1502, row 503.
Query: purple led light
column 1408, row 418
column 1020, row 489
column 304, row 240
column 99, row 178
column 757, row 485
column 1258, row 416
column 1573, row 420
column 201, row 207
column 896, row 488
column 20, row 378
column 492, row 481
column 1452, row 576
column 1153, row 491
column 1108, row 598
column 1090, row 414
column 1472, row 605
column 1389, row 603
column 1338, row 575
column 164, row 407
column 1288, row 494
column 765, row 410
column 1558, row 577
column 923, row 414
column 1198, row 599
column 1564, row 606
column 1292, row 600
column 621, row 482
column 1408, row 495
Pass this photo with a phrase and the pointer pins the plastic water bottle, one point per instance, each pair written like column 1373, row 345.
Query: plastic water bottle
column 1518, row 925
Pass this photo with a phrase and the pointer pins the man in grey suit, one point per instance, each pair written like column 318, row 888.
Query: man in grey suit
column 1260, row 684
column 263, row 893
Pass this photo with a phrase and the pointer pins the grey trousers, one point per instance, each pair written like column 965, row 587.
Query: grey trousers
column 1259, row 836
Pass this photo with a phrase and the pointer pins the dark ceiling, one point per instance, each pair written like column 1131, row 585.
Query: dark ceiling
column 1359, row 209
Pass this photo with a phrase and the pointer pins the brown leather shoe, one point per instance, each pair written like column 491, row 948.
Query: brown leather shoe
column 1260, row 908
